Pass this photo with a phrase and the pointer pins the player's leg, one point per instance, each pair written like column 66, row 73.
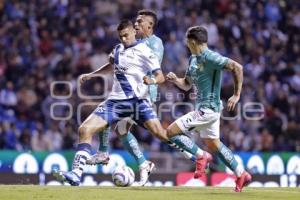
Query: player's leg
column 87, row 129
column 102, row 155
column 185, row 145
column 96, row 122
column 155, row 128
column 179, row 141
column 184, row 125
column 130, row 143
column 226, row 155
column 211, row 136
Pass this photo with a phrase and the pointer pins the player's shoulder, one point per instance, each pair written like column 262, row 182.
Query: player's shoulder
column 214, row 58
column 156, row 38
column 118, row 46
column 142, row 47
column 211, row 54
column 157, row 41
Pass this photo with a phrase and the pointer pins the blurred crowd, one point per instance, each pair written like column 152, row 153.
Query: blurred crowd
column 46, row 44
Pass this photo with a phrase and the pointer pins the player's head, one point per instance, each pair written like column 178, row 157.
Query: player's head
column 196, row 36
column 126, row 32
column 145, row 22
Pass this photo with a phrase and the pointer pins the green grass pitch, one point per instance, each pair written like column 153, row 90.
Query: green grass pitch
column 28, row 192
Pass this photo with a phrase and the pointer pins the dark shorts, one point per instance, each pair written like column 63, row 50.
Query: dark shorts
column 139, row 110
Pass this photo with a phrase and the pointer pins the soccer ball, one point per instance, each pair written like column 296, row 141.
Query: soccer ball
column 123, row 176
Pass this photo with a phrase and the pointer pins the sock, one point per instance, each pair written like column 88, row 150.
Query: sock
column 103, row 139
column 188, row 155
column 187, row 146
column 131, row 145
column 226, row 155
column 82, row 154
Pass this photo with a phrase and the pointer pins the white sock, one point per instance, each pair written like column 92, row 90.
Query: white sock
column 186, row 154
column 79, row 162
column 239, row 170
column 143, row 165
column 199, row 152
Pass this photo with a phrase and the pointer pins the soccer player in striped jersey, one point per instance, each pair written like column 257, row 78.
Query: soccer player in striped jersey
column 145, row 24
column 132, row 60
column 129, row 98
column 205, row 73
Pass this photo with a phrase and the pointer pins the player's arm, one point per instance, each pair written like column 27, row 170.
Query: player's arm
column 237, row 72
column 88, row 76
column 157, row 79
column 152, row 64
column 183, row 83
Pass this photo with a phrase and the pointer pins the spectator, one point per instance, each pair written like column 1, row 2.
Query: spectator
column 8, row 96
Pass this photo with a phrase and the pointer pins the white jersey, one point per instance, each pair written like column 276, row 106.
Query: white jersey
column 131, row 64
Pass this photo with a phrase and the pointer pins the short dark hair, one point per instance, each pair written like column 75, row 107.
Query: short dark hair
column 124, row 24
column 197, row 33
column 149, row 13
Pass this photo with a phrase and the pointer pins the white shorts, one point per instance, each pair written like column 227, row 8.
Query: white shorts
column 205, row 120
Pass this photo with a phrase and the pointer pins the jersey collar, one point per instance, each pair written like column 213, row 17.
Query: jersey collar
column 201, row 54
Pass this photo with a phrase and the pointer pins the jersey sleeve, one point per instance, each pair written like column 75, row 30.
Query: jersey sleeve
column 216, row 60
column 151, row 61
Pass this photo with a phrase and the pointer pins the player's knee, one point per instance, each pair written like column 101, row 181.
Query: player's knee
column 121, row 132
column 121, row 129
column 160, row 133
column 155, row 130
column 213, row 144
column 83, row 131
column 86, row 131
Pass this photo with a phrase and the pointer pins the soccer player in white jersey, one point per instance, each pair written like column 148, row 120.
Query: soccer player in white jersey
column 205, row 73
column 129, row 98
column 145, row 23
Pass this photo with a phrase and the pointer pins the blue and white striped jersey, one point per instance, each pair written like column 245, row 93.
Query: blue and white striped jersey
column 131, row 64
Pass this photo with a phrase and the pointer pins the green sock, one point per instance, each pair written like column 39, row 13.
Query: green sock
column 103, row 139
column 131, row 145
column 185, row 143
column 226, row 155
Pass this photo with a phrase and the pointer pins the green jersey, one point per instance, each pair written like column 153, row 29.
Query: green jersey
column 205, row 71
column 156, row 45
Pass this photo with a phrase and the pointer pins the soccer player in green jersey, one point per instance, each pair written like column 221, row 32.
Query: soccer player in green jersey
column 205, row 73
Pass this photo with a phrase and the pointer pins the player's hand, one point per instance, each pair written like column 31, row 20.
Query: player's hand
column 84, row 77
column 148, row 80
column 232, row 101
column 171, row 77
